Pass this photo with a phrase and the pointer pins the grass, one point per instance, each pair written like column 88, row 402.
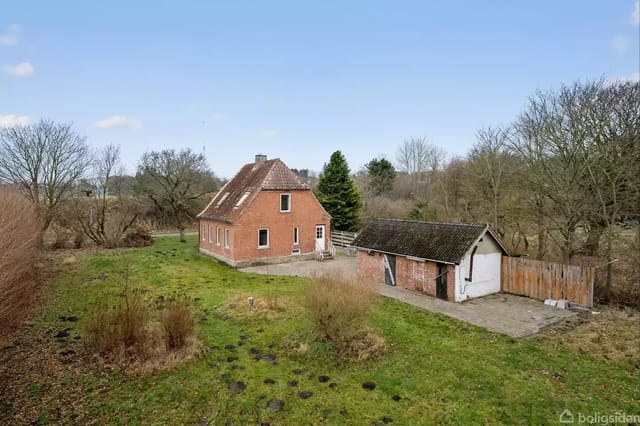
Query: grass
column 445, row 371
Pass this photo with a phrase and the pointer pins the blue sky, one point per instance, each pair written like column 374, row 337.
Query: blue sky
column 299, row 79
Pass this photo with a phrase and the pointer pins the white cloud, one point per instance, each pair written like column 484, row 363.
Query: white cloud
column 619, row 44
column 12, row 120
column 117, row 121
column 10, row 36
column 23, row 69
column 270, row 133
column 635, row 15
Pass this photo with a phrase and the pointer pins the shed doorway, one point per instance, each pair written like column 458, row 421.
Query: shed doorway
column 390, row 269
column 441, row 281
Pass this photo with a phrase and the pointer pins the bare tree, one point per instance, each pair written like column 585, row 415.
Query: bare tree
column 175, row 182
column 416, row 156
column 102, row 217
column 489, row 159
column 44, row 160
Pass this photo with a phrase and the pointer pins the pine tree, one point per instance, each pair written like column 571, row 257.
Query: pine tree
column 381, row 176
column 338, row 194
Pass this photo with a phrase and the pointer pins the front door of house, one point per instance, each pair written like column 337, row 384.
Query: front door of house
column 390, row 269
column 441, row 282
column 320, row 238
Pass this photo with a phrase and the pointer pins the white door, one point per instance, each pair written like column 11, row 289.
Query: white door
column 320, row 237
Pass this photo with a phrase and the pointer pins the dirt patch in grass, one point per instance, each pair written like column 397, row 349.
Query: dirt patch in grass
column 613, row 334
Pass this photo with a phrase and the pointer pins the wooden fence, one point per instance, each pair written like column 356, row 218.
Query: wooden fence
column 545, row 280
column 342, row 238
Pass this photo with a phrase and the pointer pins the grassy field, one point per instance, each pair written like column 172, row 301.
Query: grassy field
column 443, row 371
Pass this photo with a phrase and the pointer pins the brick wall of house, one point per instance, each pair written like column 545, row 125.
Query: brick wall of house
column 370, row 266
column 264, row 213
column 210, row 244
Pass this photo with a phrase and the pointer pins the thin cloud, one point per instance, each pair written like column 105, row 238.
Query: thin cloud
column 635, row 15
column 269, row 133
column 10, row 36
column 12, row 120
column 22, row 69
column 619, row 44
column 117, row 121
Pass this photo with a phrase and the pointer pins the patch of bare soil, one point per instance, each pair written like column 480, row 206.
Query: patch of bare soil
column 612, row 334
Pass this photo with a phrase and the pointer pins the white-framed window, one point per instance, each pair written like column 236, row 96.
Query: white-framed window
column 203, row 232
column 221, row 200
column 227, row 238
column 296, row 235
column 210, row 233
column 242, row 198
column 217, row 235
column 285, row 202
column 263, row 238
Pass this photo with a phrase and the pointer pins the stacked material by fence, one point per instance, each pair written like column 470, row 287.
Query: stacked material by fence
column 342, row 238
column 545, row 280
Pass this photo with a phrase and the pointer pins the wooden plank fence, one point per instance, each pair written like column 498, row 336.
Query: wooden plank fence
column 342, row 238
column 545, row 280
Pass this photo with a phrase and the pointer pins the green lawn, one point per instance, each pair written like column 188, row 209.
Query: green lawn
column 445, row 371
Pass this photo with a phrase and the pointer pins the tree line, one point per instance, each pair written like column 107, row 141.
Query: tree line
column 561, row 182
column 88, row 193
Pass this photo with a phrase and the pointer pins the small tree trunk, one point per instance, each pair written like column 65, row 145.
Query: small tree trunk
column 592, row 245
column 182, row 236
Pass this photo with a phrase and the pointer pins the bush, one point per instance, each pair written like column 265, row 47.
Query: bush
column 121, row 330
column 129, row 332
column 339, row 309
column 177, row 322
column 19, row 242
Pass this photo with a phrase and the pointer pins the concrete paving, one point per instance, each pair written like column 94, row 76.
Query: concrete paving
column 507, row 314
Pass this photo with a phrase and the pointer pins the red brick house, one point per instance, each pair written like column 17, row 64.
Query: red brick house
column 450, row 261
column 265, row 214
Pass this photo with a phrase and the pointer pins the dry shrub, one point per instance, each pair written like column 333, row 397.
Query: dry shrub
column 121, row 330
column 339, row 308
column 129, row 333
column 177, row 321
column 19, row 242
column 239, row 308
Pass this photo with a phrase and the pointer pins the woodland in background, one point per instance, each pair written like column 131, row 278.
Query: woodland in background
column 560, row 183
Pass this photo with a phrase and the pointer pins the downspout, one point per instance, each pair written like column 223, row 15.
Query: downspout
column 469, row 278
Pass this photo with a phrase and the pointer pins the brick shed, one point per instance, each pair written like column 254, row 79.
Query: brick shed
column 451, row 261
column 265, row 214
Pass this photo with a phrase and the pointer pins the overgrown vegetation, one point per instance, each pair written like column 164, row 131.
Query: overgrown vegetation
column 339, row 309
column 19, row 239
column 435, row 364
column 129, row 332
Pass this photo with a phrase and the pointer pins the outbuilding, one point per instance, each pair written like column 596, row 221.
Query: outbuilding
column 450, row 261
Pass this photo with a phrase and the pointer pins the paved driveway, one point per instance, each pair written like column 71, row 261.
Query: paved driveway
column 507, row 314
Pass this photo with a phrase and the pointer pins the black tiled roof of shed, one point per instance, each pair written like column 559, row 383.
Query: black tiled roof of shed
column 443, row 242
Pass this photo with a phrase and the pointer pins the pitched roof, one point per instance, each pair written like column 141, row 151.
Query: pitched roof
column 441, row 242
column 237, row 194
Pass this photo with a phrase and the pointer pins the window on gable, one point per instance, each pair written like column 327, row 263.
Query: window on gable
column 285, row 202
column 263, row 238
column 210, row 233
column 203, row 229
column 296, row 235
column 217, row 235
column 221, row 200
